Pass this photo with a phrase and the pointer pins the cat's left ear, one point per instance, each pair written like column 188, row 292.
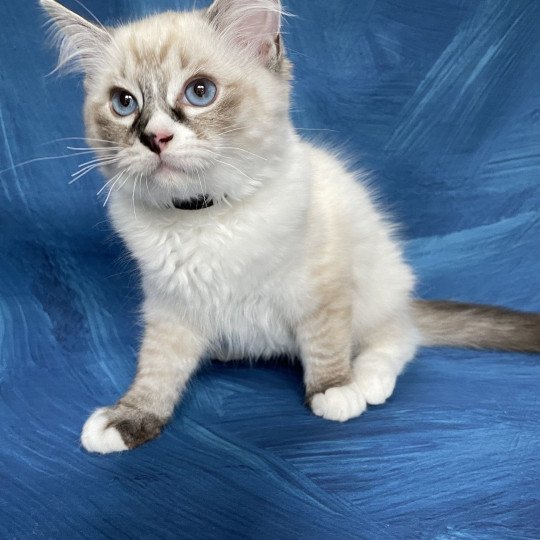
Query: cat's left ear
column 80, row 42
column 253, row 25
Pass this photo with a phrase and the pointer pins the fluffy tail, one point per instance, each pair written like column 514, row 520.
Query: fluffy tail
column 455, row 324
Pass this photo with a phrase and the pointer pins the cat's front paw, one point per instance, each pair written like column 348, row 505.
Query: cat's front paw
column 339, row 403
column 119, row 428
column 98, row 435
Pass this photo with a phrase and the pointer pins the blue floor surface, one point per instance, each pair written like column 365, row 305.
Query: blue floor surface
column 441, row 99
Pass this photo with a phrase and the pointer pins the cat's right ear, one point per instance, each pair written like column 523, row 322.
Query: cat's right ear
column 80, row 42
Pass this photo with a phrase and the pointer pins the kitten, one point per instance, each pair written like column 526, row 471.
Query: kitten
column 250, row 241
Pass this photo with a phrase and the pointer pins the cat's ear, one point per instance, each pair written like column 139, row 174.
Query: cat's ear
column 253, row 25
column 80, row 42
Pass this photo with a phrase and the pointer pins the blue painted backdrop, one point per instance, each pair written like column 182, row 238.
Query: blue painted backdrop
column 441, row 98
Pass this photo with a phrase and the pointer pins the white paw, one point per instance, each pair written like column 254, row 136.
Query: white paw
column 97, row 437
column 339, row 403
column 375, row 382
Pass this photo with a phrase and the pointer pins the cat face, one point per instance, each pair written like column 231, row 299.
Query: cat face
column 183, row 104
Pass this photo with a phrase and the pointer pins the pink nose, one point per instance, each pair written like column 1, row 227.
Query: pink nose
column 162, row 139
column 156, row 141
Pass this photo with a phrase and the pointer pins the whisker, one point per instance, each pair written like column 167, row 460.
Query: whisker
column 94, row 149
column 79, row 174
column 202, row 190
column 315, row 129
column 229, row 131
column 73, row 180
column 83, row 173
column 241, row 150
column 204, row 183
column 140, row 186
column 125, row 181
column 237, row 169
column 147, row 188
column 133, row 198
column 36, row 160
column 97, row 160
column 112, row 187
column 114, row 178
column 75, row 139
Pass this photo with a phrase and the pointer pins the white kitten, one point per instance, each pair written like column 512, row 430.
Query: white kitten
column 250, row 242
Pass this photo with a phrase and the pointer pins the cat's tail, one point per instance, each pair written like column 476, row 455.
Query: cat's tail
column 456, row 324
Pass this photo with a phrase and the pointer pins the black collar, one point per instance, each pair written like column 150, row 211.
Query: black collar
column 195, row 203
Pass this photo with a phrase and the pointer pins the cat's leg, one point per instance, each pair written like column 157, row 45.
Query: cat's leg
column 383, row 356
column 325, row 346
column 169, row 355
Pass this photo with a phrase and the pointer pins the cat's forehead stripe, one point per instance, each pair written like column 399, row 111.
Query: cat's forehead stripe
column 154, row 51
column 155, row 56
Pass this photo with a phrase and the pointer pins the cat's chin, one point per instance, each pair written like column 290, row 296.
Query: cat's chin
column 168, row 170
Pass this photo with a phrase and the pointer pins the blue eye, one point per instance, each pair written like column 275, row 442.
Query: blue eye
column 123, row 103
column 201, row 92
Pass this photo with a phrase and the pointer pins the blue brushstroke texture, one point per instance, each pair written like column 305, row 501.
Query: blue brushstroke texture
column 441, row 99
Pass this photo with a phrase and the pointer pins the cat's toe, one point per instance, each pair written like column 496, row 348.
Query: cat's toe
column 101, row 437
column 339, row 403
column 376, row 383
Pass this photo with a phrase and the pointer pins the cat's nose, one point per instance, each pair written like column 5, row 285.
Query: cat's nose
column 156, row 141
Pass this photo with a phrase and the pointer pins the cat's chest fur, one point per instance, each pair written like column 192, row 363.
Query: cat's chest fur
column 236, row 276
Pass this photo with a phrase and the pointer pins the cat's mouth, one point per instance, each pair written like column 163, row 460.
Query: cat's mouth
column 179, row 165
column 169, row 168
